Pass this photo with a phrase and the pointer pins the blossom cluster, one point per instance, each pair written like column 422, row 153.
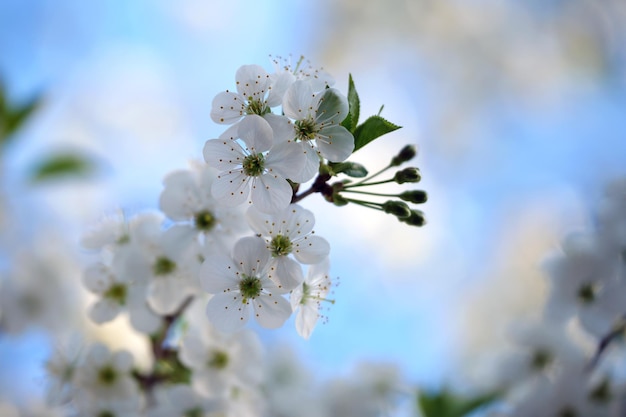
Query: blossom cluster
column 570, row 361
column 230, row 243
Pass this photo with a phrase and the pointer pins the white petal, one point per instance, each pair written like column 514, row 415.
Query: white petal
column 261, row 223
column 311, row 249
column 286, row 159
column 143, row 319
column 223, row 154
column 227, row 313
column 97, row 278
column 286, row 272
column 231, row 188
column 280, row 82
column 218, row 273
column 252, row 81
column 335, row 143
column 271, row 312
column 122, row 360
column 295, row 297
column 281, row 126
column 332, row 107
column 193, row 351
column 306, row 320
column 296, row 222
column 311, row 164
column 179, row 196
column 256, row 132
column 227, row 108
column 252, row 255
column 271, row 193
column 299, row 101
column 104, row 310
column 166, row 295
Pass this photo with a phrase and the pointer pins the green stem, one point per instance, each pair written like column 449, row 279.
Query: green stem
column 362, row 184
column 368, row 193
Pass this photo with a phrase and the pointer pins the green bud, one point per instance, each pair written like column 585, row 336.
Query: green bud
column 406, row 154
column 407, row 175
column 397, row 208
column 339, row 200
column 415, row 219
column 414, row 196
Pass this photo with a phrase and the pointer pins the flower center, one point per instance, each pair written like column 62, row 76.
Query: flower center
column 163, row 266
column 117, row 292
column 281, row 246
column 587, row 293
column 306, row 129
column 253, row 165
column 256, row 106
column 541, row 358
column 204, row 220
column 107, row 375
column 194, row 412
column 250, row 287
column 219, row 360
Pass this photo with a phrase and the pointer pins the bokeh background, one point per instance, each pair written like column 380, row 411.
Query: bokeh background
column 518, row 110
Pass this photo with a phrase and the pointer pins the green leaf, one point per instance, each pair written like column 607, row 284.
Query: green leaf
column 13, row 117
column 446, row 404
column 62, row 166
column 371, row 129
column 351, row 169
column 352, row 119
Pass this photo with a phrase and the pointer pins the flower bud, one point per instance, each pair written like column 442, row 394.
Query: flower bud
column 339, row 200
column 416, row 218
column 414, row 196
column 407, row 175
column 406, row 154
column 397, row 208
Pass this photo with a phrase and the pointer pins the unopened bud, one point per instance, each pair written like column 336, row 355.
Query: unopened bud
column 406, row 154
column 397, row 208
column 414, row 196
column 416, row 218
column 407, row 175
column 339, row 200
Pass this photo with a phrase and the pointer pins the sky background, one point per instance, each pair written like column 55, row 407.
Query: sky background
column 517, row 111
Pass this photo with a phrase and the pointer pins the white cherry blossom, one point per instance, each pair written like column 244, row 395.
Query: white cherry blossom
column 241, row 286
column 317, row 123
column 253, row 84
column 288, row 234
column 221, row 362
column 187, row 200
column 307, row 298
column 254, row 168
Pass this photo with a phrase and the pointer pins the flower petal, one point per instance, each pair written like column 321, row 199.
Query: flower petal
column 286, row 159
column 252, row 81
column 256, row 132
column 271, row 193
column 332, row 107
column 299, row 101
column 227, row 108
column 335, row 143
column 227, row 312
column 231, row 188
column 251, row 255
column 218, row 273
column 286, row 272
column 311, row 249
column 223, row 154
column 271, row 312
